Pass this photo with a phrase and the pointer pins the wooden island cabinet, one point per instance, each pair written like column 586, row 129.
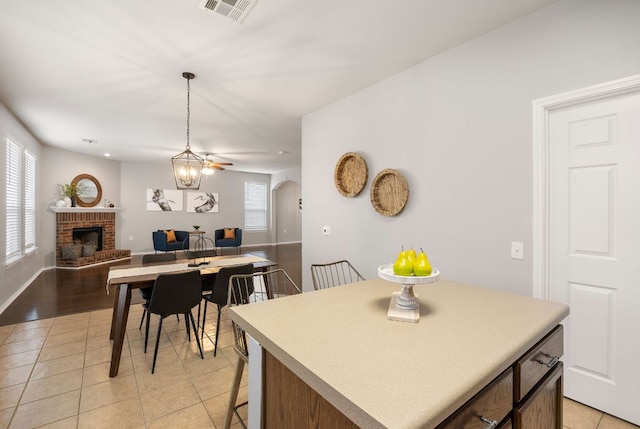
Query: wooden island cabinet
column 478, row 358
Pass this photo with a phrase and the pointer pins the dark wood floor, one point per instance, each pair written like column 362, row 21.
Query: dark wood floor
column 58, row 292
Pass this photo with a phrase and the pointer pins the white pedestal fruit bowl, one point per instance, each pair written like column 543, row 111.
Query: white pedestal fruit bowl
column 404, row 305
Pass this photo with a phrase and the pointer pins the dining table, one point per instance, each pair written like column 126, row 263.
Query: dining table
column 122, row 279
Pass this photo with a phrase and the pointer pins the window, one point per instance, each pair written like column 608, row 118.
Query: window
column 20, row 203
column 29, row 202
column 12, row 203
column 255, row 206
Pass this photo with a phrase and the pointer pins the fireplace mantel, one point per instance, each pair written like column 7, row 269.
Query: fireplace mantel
column 85, row 209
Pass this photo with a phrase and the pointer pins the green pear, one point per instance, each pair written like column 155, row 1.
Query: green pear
column 421, row 266
column 402, row 266
column 411, row 254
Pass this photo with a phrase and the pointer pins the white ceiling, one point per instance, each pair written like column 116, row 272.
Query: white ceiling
column 111, row 71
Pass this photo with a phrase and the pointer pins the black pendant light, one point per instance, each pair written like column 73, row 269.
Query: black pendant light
column 187, row 166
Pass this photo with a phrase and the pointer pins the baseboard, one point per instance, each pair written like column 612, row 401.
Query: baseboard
column 24, row 286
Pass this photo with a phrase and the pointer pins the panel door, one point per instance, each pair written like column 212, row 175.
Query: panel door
column 594, row 256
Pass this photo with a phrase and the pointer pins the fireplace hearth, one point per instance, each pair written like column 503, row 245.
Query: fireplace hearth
column 79, row 226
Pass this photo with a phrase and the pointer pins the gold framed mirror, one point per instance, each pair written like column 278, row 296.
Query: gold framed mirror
column 91, row 190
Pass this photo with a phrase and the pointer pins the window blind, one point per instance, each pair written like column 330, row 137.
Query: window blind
column 12, row 203
column 29, row 201
column 255, row 206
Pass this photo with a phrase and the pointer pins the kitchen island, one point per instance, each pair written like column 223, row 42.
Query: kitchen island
column 333, row 356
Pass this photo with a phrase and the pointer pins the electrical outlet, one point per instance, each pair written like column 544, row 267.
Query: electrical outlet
column 326, row 230
column 517, row 250
column 131, row 238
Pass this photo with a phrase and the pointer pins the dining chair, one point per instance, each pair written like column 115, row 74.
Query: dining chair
column 219, row 295
column 175, row 293
column 145, row 292
column 334, row 274
column 244, row 289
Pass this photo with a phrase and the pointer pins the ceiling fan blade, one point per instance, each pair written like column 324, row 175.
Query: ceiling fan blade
column 217, row 167
column 223, row 163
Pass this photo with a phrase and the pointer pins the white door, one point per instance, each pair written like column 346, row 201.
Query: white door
column 594, row 249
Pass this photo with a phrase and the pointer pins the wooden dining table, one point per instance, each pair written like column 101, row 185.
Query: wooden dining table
column 122, row 279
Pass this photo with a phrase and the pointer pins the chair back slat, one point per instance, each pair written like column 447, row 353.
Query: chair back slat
column 245, row 289
column 334, row 274
column 176, row 293
column 220, row 292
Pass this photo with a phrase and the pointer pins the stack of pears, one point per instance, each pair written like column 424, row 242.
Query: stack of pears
column 408, row 263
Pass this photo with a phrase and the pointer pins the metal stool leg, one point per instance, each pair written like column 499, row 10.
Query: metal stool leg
column 234, row 393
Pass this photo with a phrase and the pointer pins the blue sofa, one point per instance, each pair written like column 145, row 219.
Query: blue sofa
column 160, row 243
column 222, row 242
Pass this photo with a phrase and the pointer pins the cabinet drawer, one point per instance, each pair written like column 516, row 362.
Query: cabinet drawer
column 543, row 407
column 494, row 402
column 537, row 362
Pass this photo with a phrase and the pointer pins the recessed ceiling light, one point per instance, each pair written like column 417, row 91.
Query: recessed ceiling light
column 107, row 155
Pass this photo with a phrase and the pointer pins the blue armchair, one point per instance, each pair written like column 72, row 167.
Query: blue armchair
column 221, row 241
column 160, row 243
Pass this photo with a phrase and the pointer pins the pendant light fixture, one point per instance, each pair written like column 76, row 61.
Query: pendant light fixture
column 187, row 166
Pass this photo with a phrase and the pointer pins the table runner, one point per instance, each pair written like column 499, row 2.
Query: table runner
column 167, row 268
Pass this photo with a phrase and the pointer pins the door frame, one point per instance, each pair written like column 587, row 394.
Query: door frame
column 542, row 109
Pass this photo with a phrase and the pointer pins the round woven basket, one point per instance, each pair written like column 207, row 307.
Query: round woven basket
column 389, row 192
column 351, row 174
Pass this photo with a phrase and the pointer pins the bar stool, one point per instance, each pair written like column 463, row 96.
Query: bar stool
column 334, row 274
column 244, row 289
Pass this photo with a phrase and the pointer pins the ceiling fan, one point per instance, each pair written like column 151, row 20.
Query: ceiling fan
column 209, row 165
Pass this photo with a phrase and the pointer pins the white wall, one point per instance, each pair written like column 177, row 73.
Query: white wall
column 288, row 222
column 459, row 127
column 136, row 221
column 294, row 174
column 13, row 278
column 61, row 166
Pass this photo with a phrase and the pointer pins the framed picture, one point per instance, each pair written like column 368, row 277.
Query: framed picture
column 202, row 202
column 165, row 200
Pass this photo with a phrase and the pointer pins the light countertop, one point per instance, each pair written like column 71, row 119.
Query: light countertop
column 382, row 373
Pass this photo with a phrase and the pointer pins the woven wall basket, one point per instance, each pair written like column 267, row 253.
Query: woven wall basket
column 351, row 174
column 389, row 192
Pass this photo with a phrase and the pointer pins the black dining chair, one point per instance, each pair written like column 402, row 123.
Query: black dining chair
column 176, row 293
column 145, row 292
column 219, row 294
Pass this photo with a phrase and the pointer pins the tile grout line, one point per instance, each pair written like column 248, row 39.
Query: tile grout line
column 26, row 384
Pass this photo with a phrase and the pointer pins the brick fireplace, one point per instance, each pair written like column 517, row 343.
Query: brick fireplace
column 80, row 218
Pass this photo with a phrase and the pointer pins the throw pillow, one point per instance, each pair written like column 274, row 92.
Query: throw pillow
column 89, row 248
column 171, row 235
column 72, row 251
column 229, row 233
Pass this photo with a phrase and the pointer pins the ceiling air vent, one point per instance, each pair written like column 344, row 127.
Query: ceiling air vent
column 235, row 10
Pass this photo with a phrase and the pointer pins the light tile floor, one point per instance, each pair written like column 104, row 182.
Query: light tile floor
column 579, row 416
column 54, row 373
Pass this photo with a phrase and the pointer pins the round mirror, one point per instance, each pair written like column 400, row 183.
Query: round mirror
column 90, row 190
